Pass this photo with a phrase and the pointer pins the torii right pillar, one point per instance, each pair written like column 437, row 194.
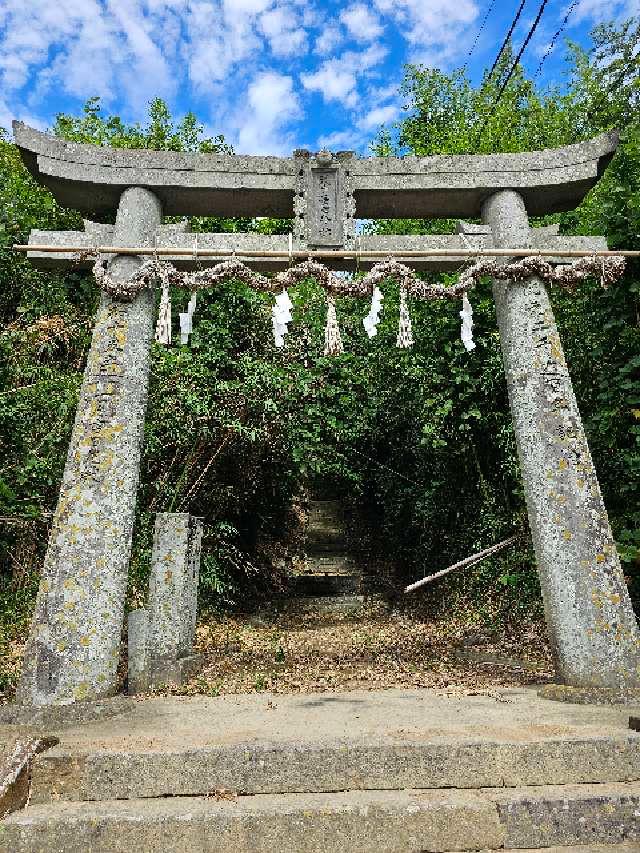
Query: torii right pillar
column 592, row 627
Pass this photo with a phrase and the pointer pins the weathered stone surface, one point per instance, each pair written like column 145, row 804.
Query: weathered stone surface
column 137, row 657
column 541, row 817
column 91, row 178
column 74, row 644
column 591, row 695
column 15, row 767
column 164, row 672
column 59, row 717
column 591, row 624
column 357, row 822
column 354, row 821
column 350, row 763
column 192, row 579
column 167, row 585
column 247, row 242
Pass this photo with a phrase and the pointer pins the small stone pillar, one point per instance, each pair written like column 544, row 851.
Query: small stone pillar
column 161, row 637
column 137, row 642
column 74, row 644
column 591, row 624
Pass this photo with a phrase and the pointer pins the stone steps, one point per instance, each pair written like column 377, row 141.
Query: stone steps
column 353, row 821
column 339, row 603
column 325, row 585
column 348, row 763
column 397, row 771
column 329, row 582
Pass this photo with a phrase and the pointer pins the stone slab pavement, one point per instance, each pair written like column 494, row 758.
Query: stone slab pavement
column 171, row 722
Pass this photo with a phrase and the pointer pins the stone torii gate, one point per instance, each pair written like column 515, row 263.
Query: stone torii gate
column 73, row 648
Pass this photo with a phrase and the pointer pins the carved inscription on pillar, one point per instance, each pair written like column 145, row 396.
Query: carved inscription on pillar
column 324, row 207
column 325, row 223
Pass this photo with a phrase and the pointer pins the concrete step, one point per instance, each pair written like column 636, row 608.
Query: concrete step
column 346, row 821
column 339, row 604
column 325, row 542
column 251, row 766
column 326, row 585
column 329, row 563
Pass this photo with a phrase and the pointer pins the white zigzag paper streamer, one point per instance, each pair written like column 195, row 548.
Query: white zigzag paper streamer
column 281, row 317
column 466, row 332
column 370, row 322
column 186, row 320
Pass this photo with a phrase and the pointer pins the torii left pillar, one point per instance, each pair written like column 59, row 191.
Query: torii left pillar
column 74, row 644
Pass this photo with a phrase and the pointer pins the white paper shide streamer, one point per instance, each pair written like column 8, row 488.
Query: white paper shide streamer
column 332, row 339
column 405, row 332
column 281, row 317
column 186, row 320
column 163, row 327
column 466, row 332
column 372, row 319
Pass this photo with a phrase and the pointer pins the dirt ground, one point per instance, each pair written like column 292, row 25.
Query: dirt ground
column 320, row 652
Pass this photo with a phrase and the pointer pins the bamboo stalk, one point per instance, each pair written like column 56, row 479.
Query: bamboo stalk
column 329, row 253
column 468, row 561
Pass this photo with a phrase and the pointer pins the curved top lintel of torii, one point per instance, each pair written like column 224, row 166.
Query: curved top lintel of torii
column 91, row 178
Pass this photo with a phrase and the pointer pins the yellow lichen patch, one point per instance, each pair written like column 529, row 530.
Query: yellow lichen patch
column 81, row 690
column 61, row 646
column 562, row 464
column 600, row 558
column 580, row 483
column 168, row 575
column 567, row 535
column 84, row 641
column 614, row 598
column 120, row 334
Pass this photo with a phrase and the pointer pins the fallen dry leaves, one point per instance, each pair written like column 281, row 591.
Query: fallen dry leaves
column 327, row 652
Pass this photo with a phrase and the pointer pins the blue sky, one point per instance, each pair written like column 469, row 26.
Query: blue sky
column 271, row 75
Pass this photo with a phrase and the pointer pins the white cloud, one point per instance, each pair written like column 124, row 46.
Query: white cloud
column 378, row 116
column 270, row 104
column 336, row 79
column 361, row 22
column 605, row 10
column 340, row 140
column 438, row 31
column 280, row 28
column 329, row 38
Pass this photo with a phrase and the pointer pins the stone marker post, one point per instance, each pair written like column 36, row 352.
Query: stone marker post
column 74, row 644
column 593, row 631
column 161, row 637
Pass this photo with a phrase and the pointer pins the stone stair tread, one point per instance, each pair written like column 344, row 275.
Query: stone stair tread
column 356, row 821
column 315, row 764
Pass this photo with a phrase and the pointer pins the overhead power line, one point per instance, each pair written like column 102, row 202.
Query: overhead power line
column 555, row 38
column 505, row 82
column 480, row 31
column 506, row 41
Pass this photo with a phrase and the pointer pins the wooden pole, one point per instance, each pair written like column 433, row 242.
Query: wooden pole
column 468, row 561
column 315, row 253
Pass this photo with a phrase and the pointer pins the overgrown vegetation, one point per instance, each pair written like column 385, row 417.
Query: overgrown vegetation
column 418, row 443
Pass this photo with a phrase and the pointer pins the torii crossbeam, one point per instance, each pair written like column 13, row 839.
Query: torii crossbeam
column 73, row 648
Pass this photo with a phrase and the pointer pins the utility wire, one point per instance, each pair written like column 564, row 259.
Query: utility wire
column 506, row 41
column 555, row 38
column 480, row 31
column 505, row 83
